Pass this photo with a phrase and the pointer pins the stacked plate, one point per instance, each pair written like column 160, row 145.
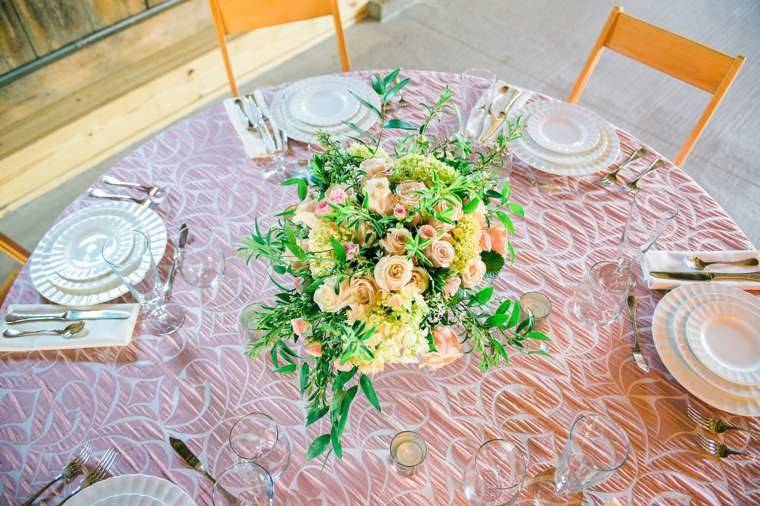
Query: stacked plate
column 324, row 103
column 132, row 490
column 67, row 267
column 565, row 139
column 707, row 336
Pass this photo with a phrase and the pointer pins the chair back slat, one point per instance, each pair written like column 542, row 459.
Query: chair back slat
column 244, row 15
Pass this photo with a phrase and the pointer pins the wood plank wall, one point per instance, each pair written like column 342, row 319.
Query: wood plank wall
column 30, row 29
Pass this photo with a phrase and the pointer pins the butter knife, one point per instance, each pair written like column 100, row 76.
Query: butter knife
column 189, row 457
column 66, row 316
column 184, row 230
column 708, row 276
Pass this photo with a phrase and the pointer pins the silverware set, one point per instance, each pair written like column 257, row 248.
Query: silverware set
column 74, row 468
column 74, row 318
column 255, row 112
column 632, row 186
column 184, row 231
column 638, row 357
column 716, row 426
column 495, row 122
column 154, row 195
column 194, row 462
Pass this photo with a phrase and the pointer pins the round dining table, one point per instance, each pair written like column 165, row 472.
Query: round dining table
column 194, row 384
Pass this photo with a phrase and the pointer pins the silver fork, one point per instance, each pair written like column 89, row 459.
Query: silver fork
column 715, row 448
column 100, row 194
column 73, row 468
column 641, row 362
column 633, row 185
column 150, row 190
column 715, row 425
column 612, row 178
column 97, row 474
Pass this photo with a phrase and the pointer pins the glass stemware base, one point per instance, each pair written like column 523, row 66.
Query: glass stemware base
column 542, row 491
column 162, row 320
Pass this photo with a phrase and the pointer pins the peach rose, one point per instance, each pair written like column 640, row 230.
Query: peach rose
column 395, row 241
column 376, row 167
column 323, row 208
column 408, row 193
column 440, row 226
column 393, row 272
column 428, row 232
column 300, row 326
column 378, row 192
column 498, row 236
column 305, row 213
column 447, row 344
column 473, row 273
column 364, row 234
column 452, row 286
column 363, row 291
column 313, row 348
column 441, row 253
column 485, row 241
column 456, row 210
column 395, row 301
column 329, row 301
column 420, row 279
column 336, row 194
column 351, row 250
column 399, row 211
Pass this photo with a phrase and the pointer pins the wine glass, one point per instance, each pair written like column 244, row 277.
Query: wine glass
column 204, row 259
column 650, row 216
column 599, row 297
column 495, row 474
column 244, row 484
column 160, row 317
column 473, row 84
column 256, row 437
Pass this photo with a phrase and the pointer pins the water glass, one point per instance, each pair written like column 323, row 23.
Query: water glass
column 160, row 317
column 599, row 297
column 596, row 447
column 473, row 84
column 244, row 484
column 650, row 216
column 408, row 452
column 204, row 260
column 256, row 437
column 495, row 474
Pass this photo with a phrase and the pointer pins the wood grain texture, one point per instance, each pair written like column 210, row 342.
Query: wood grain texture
column 15, row 48
column 108, row 12
column 54, row 23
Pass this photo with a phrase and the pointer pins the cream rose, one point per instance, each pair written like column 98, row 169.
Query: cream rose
column 376, row 167
column 420, row 279
column 447, row 344
column 304, row 213
column 455, row 213
column 408, row 193
column 300, row 326
column 363, row 291
column 485, row 241
column 378, row 192
column 336, row 194
column 393, row 272
column 395, row 241
column 452, row 286
column 428, row 232
column 473, row 273
column 329, row 301
column 441, row 253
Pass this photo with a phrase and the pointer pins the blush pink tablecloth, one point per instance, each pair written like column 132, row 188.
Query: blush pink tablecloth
column 193, row 384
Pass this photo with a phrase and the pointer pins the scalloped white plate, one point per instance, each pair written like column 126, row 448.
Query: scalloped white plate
column 564, row 128
column 129, row 490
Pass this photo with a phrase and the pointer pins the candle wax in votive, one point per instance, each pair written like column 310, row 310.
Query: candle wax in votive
column 409, row 453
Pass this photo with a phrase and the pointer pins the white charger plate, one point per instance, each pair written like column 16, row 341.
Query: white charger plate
column 565, row 165
column 564, row 128
column 85, row 293
column 724, row 336
column 675, row 360
column 326, row 102
column 112, row 491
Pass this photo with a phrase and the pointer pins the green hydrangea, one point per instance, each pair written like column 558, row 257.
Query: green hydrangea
column 466, row 241
column 361, row 151
column 421, row 168
column 321, row 248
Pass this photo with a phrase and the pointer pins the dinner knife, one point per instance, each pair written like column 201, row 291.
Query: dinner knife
column 184, row 230
column 708, row 276
column 189, row 457
column 67, row 316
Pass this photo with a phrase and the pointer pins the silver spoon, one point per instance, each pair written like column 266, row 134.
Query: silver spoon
column 68, row 332
column 612, row 178
column 699, row 264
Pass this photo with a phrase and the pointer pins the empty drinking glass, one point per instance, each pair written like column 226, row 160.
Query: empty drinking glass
column 596, row 447
column 650, row 216
column 139, row 273
column 600, row 296
column 204, row 259
column 256, row 437
column 495, row 474
column 473, row 84
column 244, row 484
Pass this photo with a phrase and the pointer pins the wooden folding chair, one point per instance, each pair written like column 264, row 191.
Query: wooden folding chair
column 16, row 253
column 682, row 58
column 235, row 16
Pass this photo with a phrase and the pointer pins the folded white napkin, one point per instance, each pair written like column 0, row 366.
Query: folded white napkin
column 477, row 122
column 253, row 144
column 676, row 261
column 96, row 333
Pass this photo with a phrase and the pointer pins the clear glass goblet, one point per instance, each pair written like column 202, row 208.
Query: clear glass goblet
column 256, row 437
column 650, row 216
column 159, row 317
column 599, row 297
column 495, row 474
column 473, row 84
column 244, row 484
column 203, row 268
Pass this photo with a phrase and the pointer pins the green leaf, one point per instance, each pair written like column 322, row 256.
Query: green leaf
column 304, row 379
column 335, row 439
column 285, row 369
column 301, row 183
column 504, row 306
column 515, row 316
column 318, row 446
column 516, row 209
column 340, row 251
column 360, row 131
column 369, row 391
column 507, row 221
column 392, row 75
column 344, row 407
column 315, row 414
column 366, row 104
column 399, row 124
column 500, row 348
column 471, row 205
column 482, row 296
column 494, row 262
column 342, row 378
column 511, row 250
column 377, row 85
column 496, row 320
column 398, row 87
column 506, row 191
column 534, row 334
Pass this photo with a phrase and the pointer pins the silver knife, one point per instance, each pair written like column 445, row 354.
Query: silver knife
column 189, row 457
column 184, row 230
column 67, row 316
column 708, row 276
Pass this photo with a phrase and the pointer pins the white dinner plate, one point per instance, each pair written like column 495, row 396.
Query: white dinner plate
column 324, row 103
column 564, row 128
column 599, row 158
column 119, row 490
column 675, row 359
column 55, row 288
column 725, row 337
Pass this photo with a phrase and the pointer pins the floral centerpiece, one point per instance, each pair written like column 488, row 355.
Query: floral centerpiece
column 392, row 255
